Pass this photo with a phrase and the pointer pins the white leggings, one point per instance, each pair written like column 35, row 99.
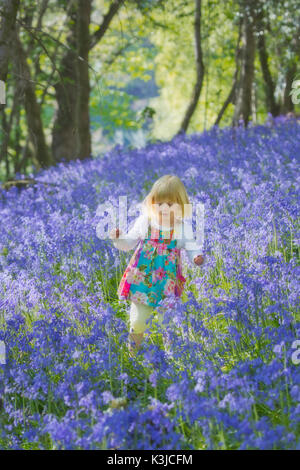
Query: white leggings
column 139, row 313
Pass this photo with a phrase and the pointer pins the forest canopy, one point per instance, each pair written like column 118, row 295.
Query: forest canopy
column 80, row 76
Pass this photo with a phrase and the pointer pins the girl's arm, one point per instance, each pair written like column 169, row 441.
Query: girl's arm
column 193, row 248
column 128, row 241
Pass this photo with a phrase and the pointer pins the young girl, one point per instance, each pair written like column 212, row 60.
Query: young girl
column 154, row 271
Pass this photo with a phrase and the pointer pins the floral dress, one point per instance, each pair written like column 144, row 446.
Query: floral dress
column 154, row 270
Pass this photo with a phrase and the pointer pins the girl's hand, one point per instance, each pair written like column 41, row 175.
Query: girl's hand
column 199, row 260
column 115, row 233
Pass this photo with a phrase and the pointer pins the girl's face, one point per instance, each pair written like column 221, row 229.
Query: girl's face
column 167, row 209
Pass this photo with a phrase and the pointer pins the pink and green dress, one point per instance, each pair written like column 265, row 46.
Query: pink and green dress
column 154, row 271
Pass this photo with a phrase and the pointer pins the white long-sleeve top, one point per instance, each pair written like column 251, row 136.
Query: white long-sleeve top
column 139, row 232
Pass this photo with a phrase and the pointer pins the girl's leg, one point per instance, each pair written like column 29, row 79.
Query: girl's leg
column 139, row 313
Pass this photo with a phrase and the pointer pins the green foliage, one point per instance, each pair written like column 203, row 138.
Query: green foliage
column 148, row 45
column 112, row 111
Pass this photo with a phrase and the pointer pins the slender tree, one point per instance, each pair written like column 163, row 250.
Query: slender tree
column 71, row 131
column 64, row 141
column 231, row 96
column 199, row 69
column 243, row 96
column 41, row 155
column 269, row 84
column 271, row 104
column 83, row 98
column 8, row 15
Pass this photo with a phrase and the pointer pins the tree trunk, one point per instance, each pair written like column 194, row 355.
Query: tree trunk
column 9, row 9
column 17, row 137
column 272, row 106
column 7, row 128
column 287, row 104
column 200, row 69
column 4, row 142
column 83, row 97
column 8, row 15
column 229, row 99
column 64, row 133
column 32, row 108
column 71, row 131
column 231, row 96
column 243, row 103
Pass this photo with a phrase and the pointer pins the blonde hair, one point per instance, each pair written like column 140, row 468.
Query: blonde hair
column 168, row 188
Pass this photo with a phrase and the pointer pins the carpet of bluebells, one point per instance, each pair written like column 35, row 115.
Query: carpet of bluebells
column 223, row 372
